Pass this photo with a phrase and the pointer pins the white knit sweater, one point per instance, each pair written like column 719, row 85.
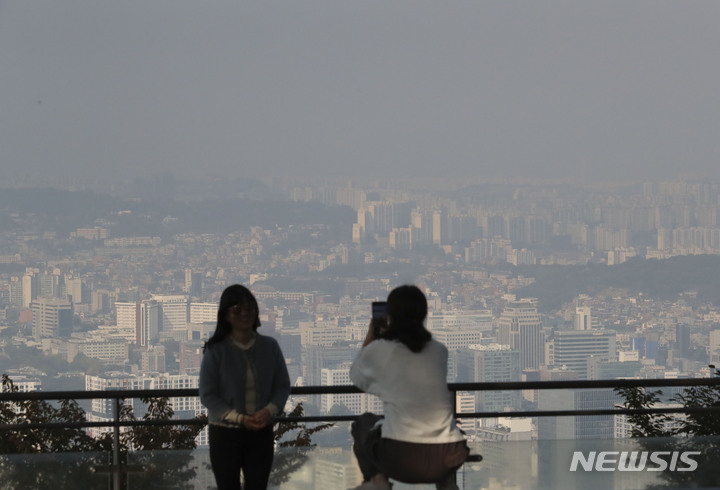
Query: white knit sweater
column 413, row 388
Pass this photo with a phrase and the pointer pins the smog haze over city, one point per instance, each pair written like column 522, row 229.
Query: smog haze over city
column 557, row 90
column 546, row 172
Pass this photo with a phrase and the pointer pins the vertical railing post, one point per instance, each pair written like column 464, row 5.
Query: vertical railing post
column 455, row 414
column 116, row 444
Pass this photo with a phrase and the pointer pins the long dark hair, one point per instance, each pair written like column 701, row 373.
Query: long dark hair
column 406, row 310
column 233, row 295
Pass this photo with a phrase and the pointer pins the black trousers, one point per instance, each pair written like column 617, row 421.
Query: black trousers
column 234, row 450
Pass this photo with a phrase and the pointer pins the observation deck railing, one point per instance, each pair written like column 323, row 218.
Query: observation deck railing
column 118, row 395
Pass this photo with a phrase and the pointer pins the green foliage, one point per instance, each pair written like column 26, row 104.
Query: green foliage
column 696, row 432
column 159, row 456
column 164, row 452
column 701, row 423
column 63, row 457
column 17, row 472
column 644, row 425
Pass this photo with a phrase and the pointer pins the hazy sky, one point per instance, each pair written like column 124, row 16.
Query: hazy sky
column 584, row 90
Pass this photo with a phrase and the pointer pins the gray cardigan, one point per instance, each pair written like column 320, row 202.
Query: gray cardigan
column 223, row 375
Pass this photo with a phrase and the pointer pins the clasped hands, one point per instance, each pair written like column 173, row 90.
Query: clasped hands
column 258, row 420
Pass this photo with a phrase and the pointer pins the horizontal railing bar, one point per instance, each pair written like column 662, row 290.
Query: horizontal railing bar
column 350, row 418
column 346, row 389
column 580, row 413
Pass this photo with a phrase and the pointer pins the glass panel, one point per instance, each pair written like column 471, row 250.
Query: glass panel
column 606, row 463
column 54, row 471
column 176, row 470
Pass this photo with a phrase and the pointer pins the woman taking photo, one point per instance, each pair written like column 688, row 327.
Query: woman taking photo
column 417, row 441
column 244, row 383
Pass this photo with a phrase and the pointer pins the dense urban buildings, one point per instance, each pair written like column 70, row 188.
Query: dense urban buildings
column 136, row 307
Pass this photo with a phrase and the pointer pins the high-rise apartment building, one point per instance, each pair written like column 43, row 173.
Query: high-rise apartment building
column 15, row 291
column 30, row 288
column 520, row 327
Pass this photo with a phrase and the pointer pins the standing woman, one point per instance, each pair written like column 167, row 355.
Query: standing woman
column 244, row 383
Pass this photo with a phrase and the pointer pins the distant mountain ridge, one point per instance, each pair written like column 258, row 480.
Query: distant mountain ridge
column 64, row 211
column 661, row 279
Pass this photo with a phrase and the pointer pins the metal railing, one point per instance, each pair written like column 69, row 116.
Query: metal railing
column 118, row 395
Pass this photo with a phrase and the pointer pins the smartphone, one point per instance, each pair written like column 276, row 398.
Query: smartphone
column 379, row 317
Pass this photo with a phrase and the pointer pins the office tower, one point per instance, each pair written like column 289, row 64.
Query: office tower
column 315, row 358
column 52, row 318
column 470, row 320
column 560, row 436
column 583, row 318
column 455, row 338
column 141, row 317
column 77, row 290
column 153, row 359
column 356, row 403
column 338, row 376
column 100, row 302
column 714, row 347
column 127, row 317
column 324, row 333
column 49, row 285
column 487, row 364
column 519, row 327
column 599, row 368
column 173, row 310
column 203, row 312
column 190, row 357
column 682, row 340
column 573, row 348
column 465, row 403
column 580, row 427
column 150, row 315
